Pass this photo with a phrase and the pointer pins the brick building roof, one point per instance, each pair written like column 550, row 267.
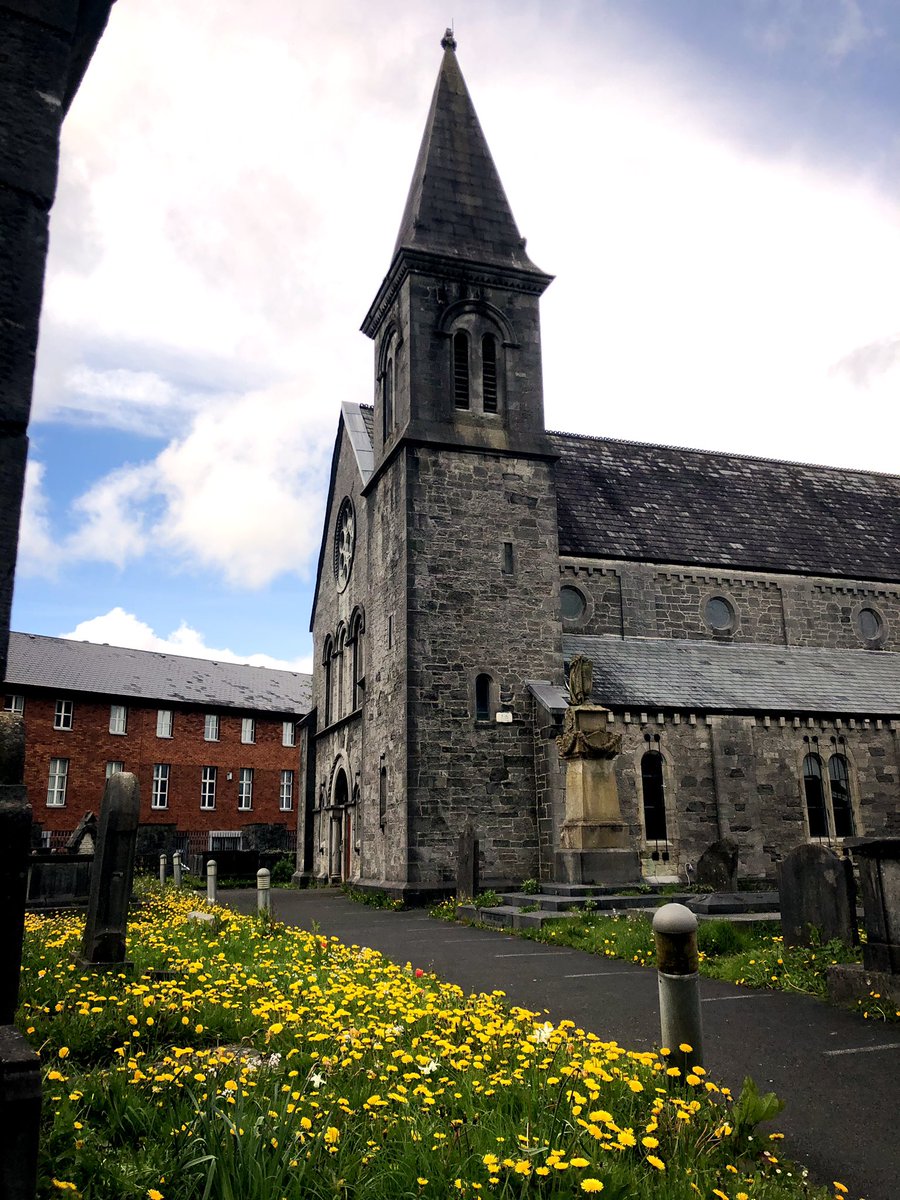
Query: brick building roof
column 739, row 677
column 64, row 665
column 456, row 204
column 661, row 504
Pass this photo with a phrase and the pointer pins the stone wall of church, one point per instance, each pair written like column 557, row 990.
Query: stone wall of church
column 641, row 600
column 468, row 616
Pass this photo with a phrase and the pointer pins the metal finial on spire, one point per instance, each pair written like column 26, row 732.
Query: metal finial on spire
column 448, row 41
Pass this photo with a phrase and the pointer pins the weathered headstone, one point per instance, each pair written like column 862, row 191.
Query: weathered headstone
column 107, row 915
column 467, row 864
column 816, row 896
column 20, row 1071
column 84, row 838
column 879, row 880
column 717, row 866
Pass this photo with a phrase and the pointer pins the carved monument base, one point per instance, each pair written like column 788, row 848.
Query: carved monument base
column 613, row 867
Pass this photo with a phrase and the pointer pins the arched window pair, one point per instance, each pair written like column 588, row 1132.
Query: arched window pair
column 475, row 371
column 829, row 807
column 338, row 688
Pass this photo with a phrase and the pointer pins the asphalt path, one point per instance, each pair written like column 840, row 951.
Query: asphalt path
column 838, row 1073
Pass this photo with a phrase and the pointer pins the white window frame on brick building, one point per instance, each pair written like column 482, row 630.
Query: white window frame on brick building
column 159, row 797
column 248, row 730
column 118, row 719
column 164, row 722
column 208, row 779
column 56, row 782
column 245, row 789
column 211, row 727
column 64, row 714
column 286, row 792
column 15, row 705
column 288, row 733
column 114, row 767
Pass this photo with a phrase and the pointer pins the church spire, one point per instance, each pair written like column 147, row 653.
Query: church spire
column 456, row 205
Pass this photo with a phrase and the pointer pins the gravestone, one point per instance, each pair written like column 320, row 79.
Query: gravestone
column 717, row 866
column 879, row 880
column 817, row 897
column 84, row 838
column 20, row 1070
column 467, row 865
column 111, row 879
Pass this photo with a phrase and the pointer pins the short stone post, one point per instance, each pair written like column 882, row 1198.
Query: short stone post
column 467, row 865
column 112, row 875
column 176, row 868
column 212, row 881
column 678, row 964
column 20, row 1069
column 163, row 861
column 263, row 884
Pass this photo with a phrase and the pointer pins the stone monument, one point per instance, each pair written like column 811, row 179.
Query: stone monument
column 816, row 896
column 593, row 839
column 878, row 859
column 107, row 916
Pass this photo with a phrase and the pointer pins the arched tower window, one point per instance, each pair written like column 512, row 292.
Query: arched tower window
column 327, row 662
column 654, row 796
column 357, row 661
column 339, row 672
column 489, row 373
column 461, row 369
column 814, row 791
column 841, row 806
column 483, row 697
column 387, row 406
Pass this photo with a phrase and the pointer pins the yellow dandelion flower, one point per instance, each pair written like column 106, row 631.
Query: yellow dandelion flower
column 63, row 1052
column 591, row 1185
column 650, row 1142
column 154, row 1194
column 656, row 1162
column 579, row 1162
column 838, row 1187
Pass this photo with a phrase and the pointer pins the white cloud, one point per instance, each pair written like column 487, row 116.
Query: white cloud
column 121, row 628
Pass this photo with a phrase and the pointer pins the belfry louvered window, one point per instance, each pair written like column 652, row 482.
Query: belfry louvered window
column 388, row 398
column 489, row 373
column 461, row 369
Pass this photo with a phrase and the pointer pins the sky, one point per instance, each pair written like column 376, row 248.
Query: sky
column 714, row 186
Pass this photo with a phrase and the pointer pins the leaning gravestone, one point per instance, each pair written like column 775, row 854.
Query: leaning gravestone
column 84, row 839
column 111, row 879
column 20, row 1071
column 717, row 866
column 817, row 897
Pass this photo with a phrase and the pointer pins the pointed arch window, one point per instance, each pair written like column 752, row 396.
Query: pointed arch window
column 483, row 697
column 357, row 660
column 328, row 664
column 654, row 797
column 387, row 407
column 489, row 373
column 340, row 667
column 814, row 792
column 461, row 369
column 841, row 804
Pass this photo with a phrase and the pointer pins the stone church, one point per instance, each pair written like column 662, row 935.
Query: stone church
column 741, row 616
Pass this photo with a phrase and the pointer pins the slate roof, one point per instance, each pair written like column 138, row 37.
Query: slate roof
column 739, row 677
column 70, row 666
column 661, row 504
column 456, row 204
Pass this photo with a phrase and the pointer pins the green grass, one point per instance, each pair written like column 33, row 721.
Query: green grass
column 278, row 1064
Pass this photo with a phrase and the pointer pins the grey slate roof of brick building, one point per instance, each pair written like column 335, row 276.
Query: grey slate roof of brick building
column 69, row 666
column 661, row 504
column 456, row 204
column 739, row 677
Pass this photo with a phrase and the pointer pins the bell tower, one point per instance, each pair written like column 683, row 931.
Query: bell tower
column 455, row 322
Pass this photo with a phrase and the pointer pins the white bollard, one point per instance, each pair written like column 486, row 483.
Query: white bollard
column 212, row 881
column 678, row 964
column 263, row 882
column 176, row 867
column 162, row 870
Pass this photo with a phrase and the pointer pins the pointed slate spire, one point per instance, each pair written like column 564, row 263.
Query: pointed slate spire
column 456, row 205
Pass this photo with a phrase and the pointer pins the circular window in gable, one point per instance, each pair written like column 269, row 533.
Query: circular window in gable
column 869, row 624
column 572, row 603
column 344, row 543
column 719, row 614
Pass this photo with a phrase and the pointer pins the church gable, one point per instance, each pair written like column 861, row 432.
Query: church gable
column 660, row 504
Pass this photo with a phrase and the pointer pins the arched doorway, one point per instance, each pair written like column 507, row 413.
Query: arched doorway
column 340, row 799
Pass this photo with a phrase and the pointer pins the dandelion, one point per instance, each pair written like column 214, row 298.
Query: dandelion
column 657, row 1162
column 591, row 1185
column 154, row 1194
column 63, row 1052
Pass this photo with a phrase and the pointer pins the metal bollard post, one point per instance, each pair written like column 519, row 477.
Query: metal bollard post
column 176, row 868
column 263, row 881
column 212, row 881
column 162, row 870
column 678, row 964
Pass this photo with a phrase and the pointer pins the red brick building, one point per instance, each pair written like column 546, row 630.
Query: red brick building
column 214, row 745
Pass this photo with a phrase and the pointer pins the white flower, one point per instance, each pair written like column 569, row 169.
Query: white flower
column 273, row 1060
column 430, row 1067
column 317, row 1080
column 543, row 1033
